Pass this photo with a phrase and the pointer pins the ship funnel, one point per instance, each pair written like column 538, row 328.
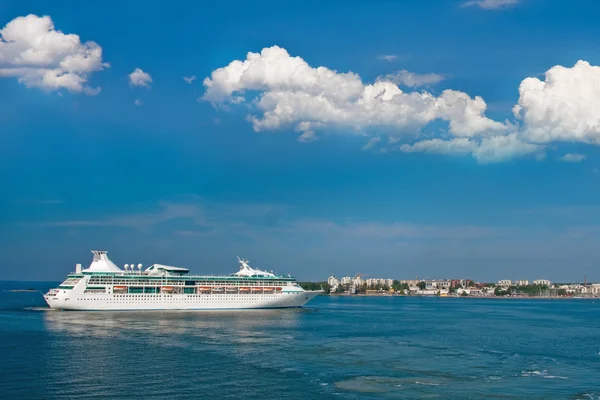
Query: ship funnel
column 101, row 263
column 77, row 268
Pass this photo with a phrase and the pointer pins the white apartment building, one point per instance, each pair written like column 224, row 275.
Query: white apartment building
column 434, row 284
column 357, row 281
column 542, row 282
column 372, row 282
column 522, row 283
column 505, row 283
column 346, row 280
column 333, row 283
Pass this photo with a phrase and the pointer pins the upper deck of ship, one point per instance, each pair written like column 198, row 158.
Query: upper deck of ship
column 137, row 276
column 101, row 266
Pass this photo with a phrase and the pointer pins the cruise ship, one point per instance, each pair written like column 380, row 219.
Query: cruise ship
column 105, row 286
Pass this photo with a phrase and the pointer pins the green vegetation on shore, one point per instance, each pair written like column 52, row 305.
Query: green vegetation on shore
column 315, row 286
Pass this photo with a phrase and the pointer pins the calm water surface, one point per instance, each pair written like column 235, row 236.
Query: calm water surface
column 336, row 347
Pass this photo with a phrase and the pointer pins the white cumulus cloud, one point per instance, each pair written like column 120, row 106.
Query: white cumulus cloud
column 564, row 107
column 140, row 78
column 39, row 56
column 411, row 79
column 292, row 93
column 285, row 92
column 573, row 157
column 490, row 4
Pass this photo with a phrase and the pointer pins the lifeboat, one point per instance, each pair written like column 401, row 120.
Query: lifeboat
column 119, row 287
column 204, row 287
column 255, row 289
column 217, row 289
column 278, row 289
column 269, row 289
column 167, row 289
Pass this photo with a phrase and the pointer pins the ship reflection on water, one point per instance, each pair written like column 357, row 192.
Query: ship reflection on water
column 211, row 326
column 172, row 354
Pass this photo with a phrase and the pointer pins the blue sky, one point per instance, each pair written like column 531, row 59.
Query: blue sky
column 395, row 170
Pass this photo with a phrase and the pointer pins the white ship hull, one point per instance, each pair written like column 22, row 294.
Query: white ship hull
column 108, row 302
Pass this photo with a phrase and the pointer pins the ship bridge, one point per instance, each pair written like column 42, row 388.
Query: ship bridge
column 247, row 271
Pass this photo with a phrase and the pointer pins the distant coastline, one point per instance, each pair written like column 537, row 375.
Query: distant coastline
column 504, row 289
column 467, row 297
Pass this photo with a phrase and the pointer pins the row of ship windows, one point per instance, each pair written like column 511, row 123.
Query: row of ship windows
column 183, row 283
column 187, row 295
column 177, row 301
column 158, row 297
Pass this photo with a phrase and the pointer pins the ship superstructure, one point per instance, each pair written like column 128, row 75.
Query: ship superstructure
column 105, row 286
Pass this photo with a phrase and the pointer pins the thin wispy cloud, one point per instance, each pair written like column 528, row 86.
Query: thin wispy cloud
column 584, row 211
column 266, row 221
column 491, row 4
column 138, row 103
column 573, row 157
column 392, row 230
column 168, row 211
column 388, row 57
column 268, row 233
column 371, row 143
column 189, row 79
column 411, row 79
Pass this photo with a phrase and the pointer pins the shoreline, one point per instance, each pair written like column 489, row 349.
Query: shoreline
column 471, row 297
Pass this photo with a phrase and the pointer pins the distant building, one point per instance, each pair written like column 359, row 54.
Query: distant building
column 357, row 281
column 410, row 282
column 505, row 283
column 522, row 283
column 333, row 283
column 460, row 282
column 542, row 282
column 374, row 282
column 346, row 280
column 435, row 284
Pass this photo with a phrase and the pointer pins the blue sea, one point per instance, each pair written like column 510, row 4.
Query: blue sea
column 336, row 347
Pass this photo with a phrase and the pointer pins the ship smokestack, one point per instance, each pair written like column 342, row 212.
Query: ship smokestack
column 77, row 268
